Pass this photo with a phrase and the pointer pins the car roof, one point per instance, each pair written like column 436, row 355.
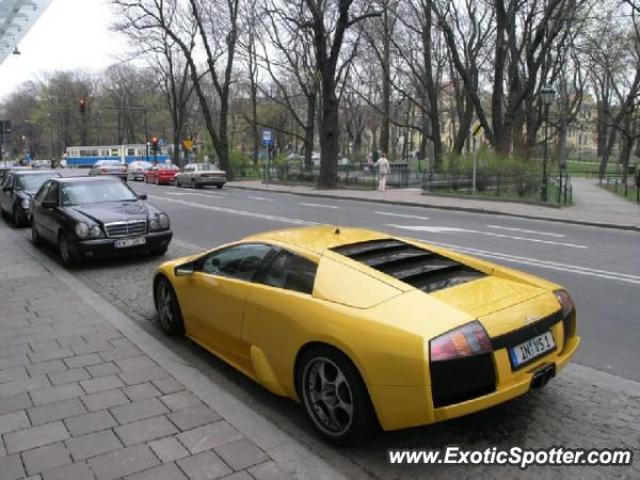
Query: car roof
column 319, row 238
column 34, row 172
column 104, row 178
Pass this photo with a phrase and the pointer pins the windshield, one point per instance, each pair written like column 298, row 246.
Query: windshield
column 96, row 192
column 31, row 183
column 206, row 166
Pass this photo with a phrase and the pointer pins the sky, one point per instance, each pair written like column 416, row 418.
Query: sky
column 70, row 35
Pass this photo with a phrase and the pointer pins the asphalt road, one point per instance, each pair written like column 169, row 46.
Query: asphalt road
column 580, row 408
column 600, row 267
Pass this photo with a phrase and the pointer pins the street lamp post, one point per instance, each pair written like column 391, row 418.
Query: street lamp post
column 548, row 94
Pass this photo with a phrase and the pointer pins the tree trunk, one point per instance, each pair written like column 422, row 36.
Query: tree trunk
column 309, row 131
column 606, row 154
column 329, row 133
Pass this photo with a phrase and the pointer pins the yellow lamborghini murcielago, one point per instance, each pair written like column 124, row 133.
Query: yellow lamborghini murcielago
column 365, row 328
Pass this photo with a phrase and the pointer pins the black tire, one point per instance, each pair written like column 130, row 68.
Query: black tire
column 15, row 217
column 169, row 314
column 68, row 258
column 194, row 185
column 35, row 237
column 219, row 186
column 337, row 426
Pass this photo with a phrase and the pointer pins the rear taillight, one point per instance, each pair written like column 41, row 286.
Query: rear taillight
column 103, row 170
column 566, row 302
column 568, row 314
column 468, row 340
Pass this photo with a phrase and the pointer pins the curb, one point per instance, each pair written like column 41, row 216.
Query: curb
column 616, row 226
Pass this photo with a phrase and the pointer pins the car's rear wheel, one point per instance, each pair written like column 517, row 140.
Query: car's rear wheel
column 35, row 236
column 169, row 315
column 68, row 258
column 219, row 186
column 15, row 217
column 334, row 396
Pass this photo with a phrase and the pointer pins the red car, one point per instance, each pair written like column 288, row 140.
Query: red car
column 161, row 174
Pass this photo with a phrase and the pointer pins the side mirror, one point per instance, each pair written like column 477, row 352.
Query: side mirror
column 142, row 196
column 185, row 270
column 49, row 204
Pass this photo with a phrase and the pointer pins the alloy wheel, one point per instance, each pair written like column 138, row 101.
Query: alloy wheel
column 164, row 303
column 328, row 396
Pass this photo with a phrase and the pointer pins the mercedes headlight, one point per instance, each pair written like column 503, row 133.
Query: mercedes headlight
column 25, row 204
column 82, row 230
column 163, row 220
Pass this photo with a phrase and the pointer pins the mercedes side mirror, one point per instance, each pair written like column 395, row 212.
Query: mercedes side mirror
column 142, row 196
column 185, row 270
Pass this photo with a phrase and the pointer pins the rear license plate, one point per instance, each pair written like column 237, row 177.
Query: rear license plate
column 129, row 242
column 531, row 349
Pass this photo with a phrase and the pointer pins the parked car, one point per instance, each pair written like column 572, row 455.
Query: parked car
column 97, row 217
column 137, row 169
column 197, row 175
column 109, row 167
column 9, row 166
column 161, row 174
column 362, row 327
column 36, row 164
column 18, row 188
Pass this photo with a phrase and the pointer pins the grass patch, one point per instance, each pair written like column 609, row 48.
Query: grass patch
column 618, row 189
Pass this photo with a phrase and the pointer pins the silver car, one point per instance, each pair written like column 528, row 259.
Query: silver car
column 137, row 169
column 197, row 175
column 109, row 167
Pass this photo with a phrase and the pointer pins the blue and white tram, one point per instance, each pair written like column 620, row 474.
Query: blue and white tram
column 125, row 154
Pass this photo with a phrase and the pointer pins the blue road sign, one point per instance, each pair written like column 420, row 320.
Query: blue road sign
column 267, row 138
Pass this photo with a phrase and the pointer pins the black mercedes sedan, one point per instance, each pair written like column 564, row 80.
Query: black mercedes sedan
column 18, row 188
column 90, row 217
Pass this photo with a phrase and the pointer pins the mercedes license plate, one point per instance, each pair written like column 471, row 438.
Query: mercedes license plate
column 129, row 242
column 531, row 349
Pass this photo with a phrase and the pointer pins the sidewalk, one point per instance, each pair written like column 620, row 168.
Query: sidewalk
column 592, row 204
column 85, row 393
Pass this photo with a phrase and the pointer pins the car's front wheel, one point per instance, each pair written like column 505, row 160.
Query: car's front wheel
column 66, row 255
column 169, row 315
column 334, row 396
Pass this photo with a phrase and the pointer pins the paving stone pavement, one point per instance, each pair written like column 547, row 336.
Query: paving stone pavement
column 79, row 401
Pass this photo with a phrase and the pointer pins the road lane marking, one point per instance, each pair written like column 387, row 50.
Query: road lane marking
column 546, row 264
column 402, row 215
column 524, row 230
column 233, row 211
column 318, row 205
column 440, row 229
column 262, row 199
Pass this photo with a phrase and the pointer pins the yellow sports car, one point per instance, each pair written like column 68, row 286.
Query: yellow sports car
column 368, row 329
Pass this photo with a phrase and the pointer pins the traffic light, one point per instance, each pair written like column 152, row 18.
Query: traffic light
column 82, row 105
column 154, row 144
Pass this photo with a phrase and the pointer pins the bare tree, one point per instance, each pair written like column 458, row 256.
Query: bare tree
column 216, row 24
